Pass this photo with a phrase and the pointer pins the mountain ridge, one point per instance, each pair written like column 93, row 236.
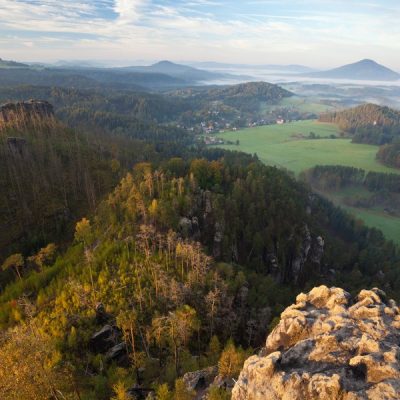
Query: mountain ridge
column 365, row 69
column 180, row 71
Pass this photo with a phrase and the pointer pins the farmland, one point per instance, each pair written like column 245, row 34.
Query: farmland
column 288, row 146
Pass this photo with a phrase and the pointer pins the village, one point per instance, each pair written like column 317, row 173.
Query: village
column 209, row 130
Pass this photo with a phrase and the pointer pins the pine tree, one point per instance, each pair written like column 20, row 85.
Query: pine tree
column 181, row 391
column 163, row 392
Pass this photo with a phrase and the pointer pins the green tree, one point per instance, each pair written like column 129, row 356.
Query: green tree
column 216, row 393
column 214, row 350
column 121, row 392
column 231, row 361
column 15, row 261
column 181, row 392
column 45, row 256
column 163, row 392
column 83, row 231
column 31, row 368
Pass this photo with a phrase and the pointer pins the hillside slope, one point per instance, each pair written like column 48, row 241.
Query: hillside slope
column 50, row 174
column 368, row 123
column 177, row 260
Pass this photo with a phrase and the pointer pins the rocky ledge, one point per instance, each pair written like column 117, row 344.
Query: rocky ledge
column 328, row 346
column 25, row 111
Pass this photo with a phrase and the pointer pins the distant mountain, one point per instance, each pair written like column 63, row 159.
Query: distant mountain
column 11, row 64
column 179, row 71
column 368, row 70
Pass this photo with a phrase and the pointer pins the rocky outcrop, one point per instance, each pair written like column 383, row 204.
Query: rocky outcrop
column 102, row 317
column 201, row 379
column 328, row 346
column 189, row 228
column 311, row 252
column 104, row 339
column 26, row 112
column 118, row 354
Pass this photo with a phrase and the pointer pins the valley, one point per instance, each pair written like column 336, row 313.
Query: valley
column 146, row 262
column 199, row 200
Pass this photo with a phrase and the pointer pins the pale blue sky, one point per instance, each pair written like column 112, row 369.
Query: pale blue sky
column 320, row 33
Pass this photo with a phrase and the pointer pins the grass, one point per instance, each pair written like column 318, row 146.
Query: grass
column 390, row 226
column 374, row 216
column 282, row 146
column 286, row 146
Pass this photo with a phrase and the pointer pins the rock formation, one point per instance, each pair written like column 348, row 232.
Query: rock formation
column 199, row 380
column 104, row 339
column 27, row 112
column 328, row 346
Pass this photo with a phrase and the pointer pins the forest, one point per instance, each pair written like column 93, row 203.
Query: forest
column 155, row 116
column 389, row 154
column 131, row 255
column 371, row 124
column 184, row 266
column 367, row 123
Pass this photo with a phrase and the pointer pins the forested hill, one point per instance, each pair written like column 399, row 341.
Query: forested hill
column 50, row 174
column 244, row 96
column 267, row 92
column 369, row 123
column 139, row 114
column 363, row 116
column 155, row 283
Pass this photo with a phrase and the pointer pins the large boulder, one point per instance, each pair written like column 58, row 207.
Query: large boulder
column 201, row 379
column 104, row 339
column 189, row 228
column 118, row 354
column 328, row 346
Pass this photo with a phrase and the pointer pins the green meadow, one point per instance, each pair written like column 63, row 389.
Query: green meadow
column 375, row 216
column 287, row 146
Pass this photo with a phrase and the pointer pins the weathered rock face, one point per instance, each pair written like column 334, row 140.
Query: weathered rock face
column 24, row 112
column 199, row 380
column 328, row 346
column 311, row 251
column 104, row 339
column 189, row 228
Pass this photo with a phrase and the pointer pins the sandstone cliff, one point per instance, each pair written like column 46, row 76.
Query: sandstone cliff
column 328, row 346
column 21, row 114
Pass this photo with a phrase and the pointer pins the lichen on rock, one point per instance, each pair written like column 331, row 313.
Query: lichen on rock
column 328, row 346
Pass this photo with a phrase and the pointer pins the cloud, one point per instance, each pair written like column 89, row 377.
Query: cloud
column 315, row 32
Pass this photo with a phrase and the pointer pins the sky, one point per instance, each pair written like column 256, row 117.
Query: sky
column 317, row 33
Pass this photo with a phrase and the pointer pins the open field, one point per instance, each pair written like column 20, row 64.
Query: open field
column 286, row 146
column 283, row 146
column 374, row 216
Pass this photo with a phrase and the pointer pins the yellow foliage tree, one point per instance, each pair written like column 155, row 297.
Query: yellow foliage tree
column 30, row 368
column 15, row 261
column 231, row 361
